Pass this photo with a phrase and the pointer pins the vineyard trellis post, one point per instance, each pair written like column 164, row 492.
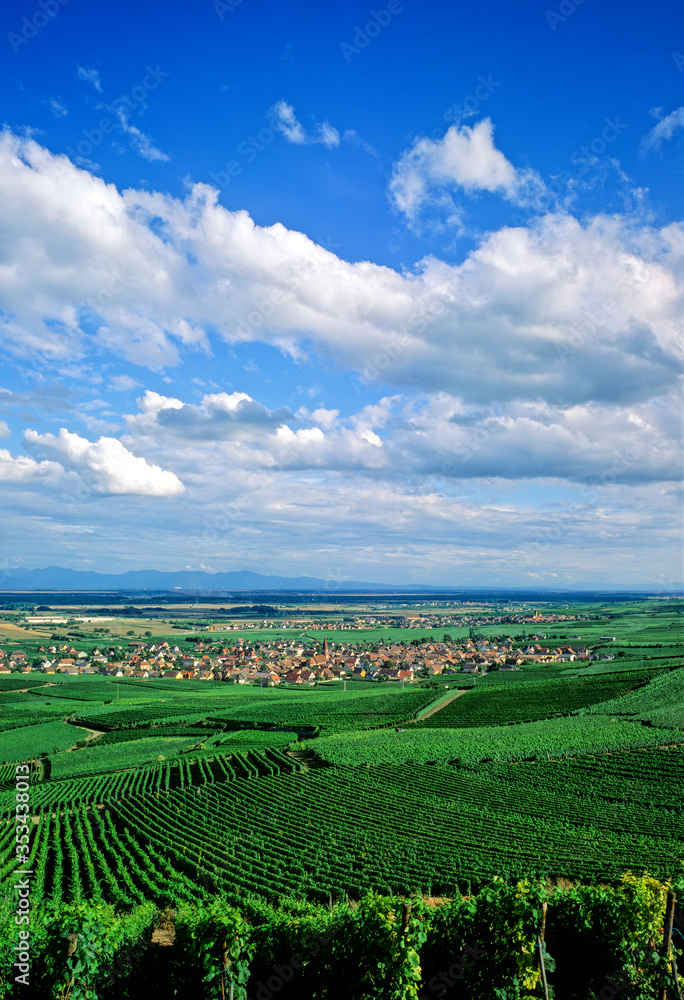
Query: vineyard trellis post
column 667, row 942
column 225, row 971
column 540, row 948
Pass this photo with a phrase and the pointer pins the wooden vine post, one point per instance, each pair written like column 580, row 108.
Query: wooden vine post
column 225, row 962
column 667, row 942
column 405, row 916
column 540, row 950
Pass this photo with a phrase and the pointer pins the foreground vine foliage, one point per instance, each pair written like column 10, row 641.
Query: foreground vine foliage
column 598, row 941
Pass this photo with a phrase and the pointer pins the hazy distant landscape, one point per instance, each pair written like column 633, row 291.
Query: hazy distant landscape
column 288, row 758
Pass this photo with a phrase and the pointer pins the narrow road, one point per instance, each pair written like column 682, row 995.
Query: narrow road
column 92, row 734
column 307, row 759
column 442, row 704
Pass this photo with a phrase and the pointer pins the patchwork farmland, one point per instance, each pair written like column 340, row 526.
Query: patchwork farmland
column 350, row 807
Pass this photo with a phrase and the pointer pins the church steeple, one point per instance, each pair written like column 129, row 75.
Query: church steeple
column 326, row 651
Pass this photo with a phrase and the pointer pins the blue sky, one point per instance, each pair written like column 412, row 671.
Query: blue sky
column 389, row 293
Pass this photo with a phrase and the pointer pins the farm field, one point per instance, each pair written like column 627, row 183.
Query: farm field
column 539, row 698
column 178, row 842
column 170, row 793
column 544, row 740
column 634, row 624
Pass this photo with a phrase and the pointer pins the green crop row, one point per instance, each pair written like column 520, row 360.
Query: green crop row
column 258, row 823
column 541, row 740
column 192, row 769
column 495, row 706
column 31, row 741
column 518, row 940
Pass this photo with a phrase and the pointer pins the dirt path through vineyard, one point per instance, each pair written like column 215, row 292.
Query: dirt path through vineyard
column 442, row 704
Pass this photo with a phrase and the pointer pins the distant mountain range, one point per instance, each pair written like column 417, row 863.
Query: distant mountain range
column 58, row 578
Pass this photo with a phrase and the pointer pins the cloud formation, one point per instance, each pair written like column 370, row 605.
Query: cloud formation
column 90, row 75
column 466, row 159
column 141, row 143
column 286, row 122
column 22, row 469
column 665, row 129
column 548, row 358
column 560, row 310
column 220, row 416
column 436, row 436
column 113, row 468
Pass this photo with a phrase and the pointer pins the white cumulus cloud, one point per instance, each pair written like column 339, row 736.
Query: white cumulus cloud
column 464, row 158
column 22, row 469
column 113, row 468
column 560, row 310
column 219, row 416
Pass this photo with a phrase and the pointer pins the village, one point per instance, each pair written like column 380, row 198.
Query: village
column 291, row 662
column 415, row 620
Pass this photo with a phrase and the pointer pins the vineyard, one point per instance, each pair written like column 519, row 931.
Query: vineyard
column 332, row 713
column 128, row 754
column 549, row 738
column 267, row 809
column 540, row 699
column 522, row 940
column 660, row 703
column 19, row 743
column 324, row 831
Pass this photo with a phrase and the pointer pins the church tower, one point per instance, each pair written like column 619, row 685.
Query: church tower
column 326, row 651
